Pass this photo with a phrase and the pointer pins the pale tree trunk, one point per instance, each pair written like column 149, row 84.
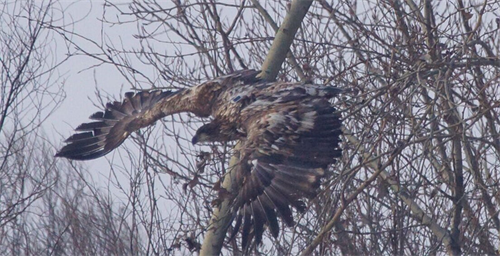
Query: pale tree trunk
column 221, row 218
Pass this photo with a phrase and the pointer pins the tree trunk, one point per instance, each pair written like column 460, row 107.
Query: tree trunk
column 221, row 218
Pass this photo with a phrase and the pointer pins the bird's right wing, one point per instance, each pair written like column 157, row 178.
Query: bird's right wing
column 115, row 124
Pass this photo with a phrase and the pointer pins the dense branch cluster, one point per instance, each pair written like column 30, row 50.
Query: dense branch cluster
column 419, row 173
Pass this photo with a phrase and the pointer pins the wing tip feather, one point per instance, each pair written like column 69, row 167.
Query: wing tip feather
column 96, row 139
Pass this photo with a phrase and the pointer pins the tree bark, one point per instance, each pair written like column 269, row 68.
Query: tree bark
column 221, row 218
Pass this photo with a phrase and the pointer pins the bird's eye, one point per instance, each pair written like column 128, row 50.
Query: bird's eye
column 237, row 98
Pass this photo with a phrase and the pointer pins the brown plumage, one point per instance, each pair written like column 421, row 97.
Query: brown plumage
column 289, row 134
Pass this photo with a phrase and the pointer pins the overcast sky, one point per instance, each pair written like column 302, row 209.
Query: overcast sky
column 81, row 79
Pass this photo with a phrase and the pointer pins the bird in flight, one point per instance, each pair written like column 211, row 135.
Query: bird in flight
column 289, row 134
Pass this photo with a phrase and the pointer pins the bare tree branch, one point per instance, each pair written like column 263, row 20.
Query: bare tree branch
column 221, row 219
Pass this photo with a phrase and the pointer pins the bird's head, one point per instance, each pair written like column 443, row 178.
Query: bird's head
column 206, row 133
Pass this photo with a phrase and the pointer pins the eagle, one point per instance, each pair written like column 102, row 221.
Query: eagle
column 289, row 134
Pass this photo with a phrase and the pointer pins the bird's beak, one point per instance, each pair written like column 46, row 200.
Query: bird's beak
column 194, row 140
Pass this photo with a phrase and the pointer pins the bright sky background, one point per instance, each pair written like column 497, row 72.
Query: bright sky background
column 80, row 82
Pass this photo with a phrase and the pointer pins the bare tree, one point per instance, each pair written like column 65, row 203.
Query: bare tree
column 44, row 210
column 222, row 216
column 421, row 152
column 28, row 95
column 420, row 163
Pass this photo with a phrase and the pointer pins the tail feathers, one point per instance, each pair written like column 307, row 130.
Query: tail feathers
column 113, row 126
column 270, row 191
column 271, row 217
column 246, row 236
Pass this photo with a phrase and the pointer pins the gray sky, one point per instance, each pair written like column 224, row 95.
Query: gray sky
column 81, row 80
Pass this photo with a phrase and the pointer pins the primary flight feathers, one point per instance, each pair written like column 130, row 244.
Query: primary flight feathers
column 112, row 126
column 289, row 134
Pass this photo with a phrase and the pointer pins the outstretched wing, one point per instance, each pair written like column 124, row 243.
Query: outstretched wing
column 142, row 109
column 115, row 124
column 285, row 156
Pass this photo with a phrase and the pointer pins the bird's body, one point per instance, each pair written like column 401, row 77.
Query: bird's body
column 289, row 134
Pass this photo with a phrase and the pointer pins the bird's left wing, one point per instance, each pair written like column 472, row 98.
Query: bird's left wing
column 116, row 123
column 138, row 110
column 283, row 159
